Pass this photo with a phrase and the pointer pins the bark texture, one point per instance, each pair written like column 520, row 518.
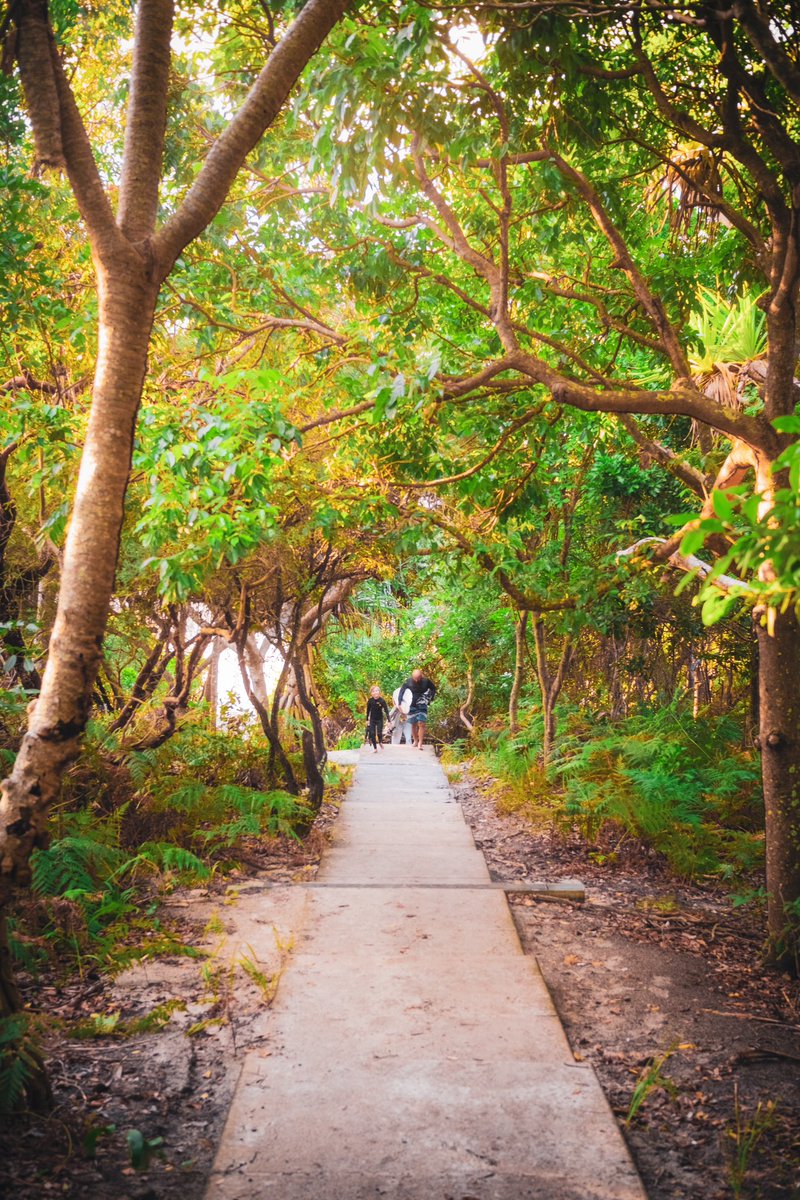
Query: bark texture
column 779, row 741
column 35, row 51
column 90, row 555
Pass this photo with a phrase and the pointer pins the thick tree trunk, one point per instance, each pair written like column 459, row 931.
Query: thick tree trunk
column 520, row 636
column 211, row 689
column 58, row 719
column 779, row 741
column 254, row 657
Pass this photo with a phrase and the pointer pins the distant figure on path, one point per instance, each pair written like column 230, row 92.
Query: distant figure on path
column 398, row 720
column 423, row 691
column 377, row 709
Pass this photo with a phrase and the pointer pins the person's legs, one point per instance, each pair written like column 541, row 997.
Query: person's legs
column 372, row 736
column 379, row 735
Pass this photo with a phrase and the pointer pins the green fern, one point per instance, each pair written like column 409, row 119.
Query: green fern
column 72, row 863
column 18, row 1060
column 164, row 856
column 141, row 764
column 684, row 786
column 26, row 951
column 185, row 798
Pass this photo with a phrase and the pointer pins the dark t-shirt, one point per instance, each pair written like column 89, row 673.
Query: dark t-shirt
column 422, row 692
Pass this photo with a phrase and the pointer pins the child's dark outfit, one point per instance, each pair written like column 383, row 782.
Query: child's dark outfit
column 376, row 708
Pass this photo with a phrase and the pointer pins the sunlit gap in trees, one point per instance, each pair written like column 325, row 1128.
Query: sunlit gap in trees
column 231, row 693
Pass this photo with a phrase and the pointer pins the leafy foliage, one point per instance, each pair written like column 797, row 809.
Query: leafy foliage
column 686, row 788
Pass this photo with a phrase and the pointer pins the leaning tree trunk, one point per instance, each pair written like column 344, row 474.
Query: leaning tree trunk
column 60, row 713
column 465, row 709
column 131, row 261
column 779, row 742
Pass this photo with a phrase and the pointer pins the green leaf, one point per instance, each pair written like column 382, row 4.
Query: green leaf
column 692, row 542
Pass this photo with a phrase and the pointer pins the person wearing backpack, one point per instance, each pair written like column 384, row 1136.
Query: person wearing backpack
column 422, row 692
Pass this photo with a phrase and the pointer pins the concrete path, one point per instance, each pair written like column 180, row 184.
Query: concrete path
column 414, row 1050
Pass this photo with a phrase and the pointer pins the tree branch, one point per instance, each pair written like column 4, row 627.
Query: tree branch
column 687, row 474
column 684, row 400
column 147, row 119
column 759, row 30
column 263, row 103
column 58, row 125
column 421, row 485
column 625, row 262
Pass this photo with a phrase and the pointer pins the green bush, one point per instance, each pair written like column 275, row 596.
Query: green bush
column 686, row 787
column 187, row 806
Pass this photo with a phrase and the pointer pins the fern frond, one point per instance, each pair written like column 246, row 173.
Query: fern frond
column 72, row 863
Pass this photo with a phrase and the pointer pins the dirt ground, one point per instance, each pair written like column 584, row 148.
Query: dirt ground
column 138, row 1116
column 646, row 968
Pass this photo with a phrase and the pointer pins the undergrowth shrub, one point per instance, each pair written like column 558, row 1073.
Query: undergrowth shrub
column 686, row 787
column 212, row 786
column 515, row 762
column 185, row 808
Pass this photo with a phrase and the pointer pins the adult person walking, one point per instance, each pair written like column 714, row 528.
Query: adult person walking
column 398, row 719
column 423, row 691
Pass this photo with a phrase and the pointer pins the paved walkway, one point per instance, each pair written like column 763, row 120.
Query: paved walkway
column 415, row 1053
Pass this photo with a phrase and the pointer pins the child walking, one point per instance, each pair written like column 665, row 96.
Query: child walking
column 377, row 709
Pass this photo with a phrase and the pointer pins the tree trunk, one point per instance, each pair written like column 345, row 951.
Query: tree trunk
column 465, row 709
column 254, row 657
column 314, row 778
column 550, row 727
column 520, row 634
column 277, row 752
column 302, row 674
column 211, row 689
column 779, row 741
column 550, row 685
column 90, row 556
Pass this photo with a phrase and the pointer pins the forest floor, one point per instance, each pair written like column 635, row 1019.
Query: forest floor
column 138, row 1111
column 648, row 969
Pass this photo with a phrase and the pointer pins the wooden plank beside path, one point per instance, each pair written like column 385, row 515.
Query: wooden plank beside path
column 414, row 1050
